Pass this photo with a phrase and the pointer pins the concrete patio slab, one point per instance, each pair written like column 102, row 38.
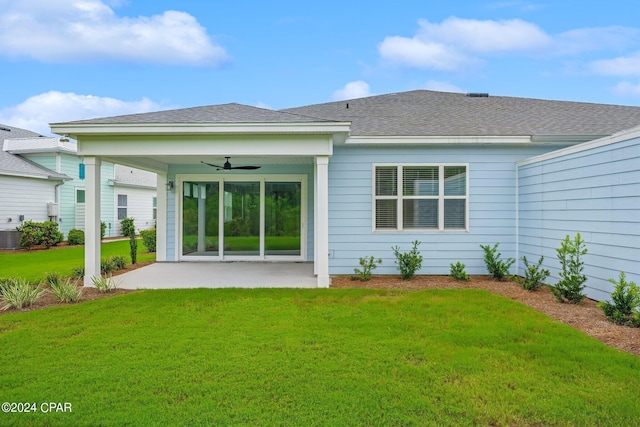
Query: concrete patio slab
column 174, row 275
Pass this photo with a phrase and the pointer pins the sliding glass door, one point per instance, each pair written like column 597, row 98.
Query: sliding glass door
column 243, row 217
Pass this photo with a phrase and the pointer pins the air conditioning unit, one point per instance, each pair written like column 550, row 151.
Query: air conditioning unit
column 53, row 209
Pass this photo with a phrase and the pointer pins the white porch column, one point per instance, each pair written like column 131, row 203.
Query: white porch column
column 161, row 217
column 92, row 219
column 321, row 213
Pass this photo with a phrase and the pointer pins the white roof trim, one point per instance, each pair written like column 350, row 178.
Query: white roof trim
column 197, row 128
column 376, row 140
column 612, row 139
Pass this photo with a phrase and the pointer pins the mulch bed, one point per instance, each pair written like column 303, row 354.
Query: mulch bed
column 586, row 316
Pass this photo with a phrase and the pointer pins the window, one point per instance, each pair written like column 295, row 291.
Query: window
column 79, row 195
column 122, row 206
column 155, row 208
column 420, row 197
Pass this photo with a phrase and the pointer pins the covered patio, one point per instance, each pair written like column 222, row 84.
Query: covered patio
column 163, row 275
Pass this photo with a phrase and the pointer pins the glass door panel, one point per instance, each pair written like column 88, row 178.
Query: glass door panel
column 282, row 202
column 241, row 218
column 200, row 218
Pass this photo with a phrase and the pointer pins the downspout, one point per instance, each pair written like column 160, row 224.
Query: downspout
column 517, row 220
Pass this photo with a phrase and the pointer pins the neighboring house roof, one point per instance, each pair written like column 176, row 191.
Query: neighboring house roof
column 16, row 165
column 225, row 113
column 127, row 176
column 430, row 113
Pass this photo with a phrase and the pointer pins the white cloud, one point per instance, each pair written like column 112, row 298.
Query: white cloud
column 594, row 39
column 456, row 41
column 38, row 111
column 79, row 30
column 627, row 89
column 442, row 86
column 352, row 90
column 621, row 66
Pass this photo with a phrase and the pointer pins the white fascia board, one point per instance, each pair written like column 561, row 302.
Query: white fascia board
column 34, row 176
column 424, row 140
column 601, row 142
column 200, row 145
column 38, row 145
column 74, row 130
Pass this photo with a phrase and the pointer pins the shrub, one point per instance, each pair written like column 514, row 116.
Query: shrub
column 106, row 265
column 408, row 262
column 52, row 278
column 19, row 293
column 105, row 283
column 51, row 235
column 457, row 271
column 133, row 248
column 75, row 237
column 127, row 226
column 495, row 266
column 118, row 262
column 103, row 229
column 39, row 233
column 625, row 306
column 534, row 275
column 572, row 280
column 66, row 290
column 78, row 272
column 149, row 239
column 30, row 234
column 368, row 265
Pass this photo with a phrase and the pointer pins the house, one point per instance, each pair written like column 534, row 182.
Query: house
column 126, row 191
column 19, row 177
column 333, row 182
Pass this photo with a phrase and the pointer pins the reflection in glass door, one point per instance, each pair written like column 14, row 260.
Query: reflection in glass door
column 241, row 218
column 200, row 218
column 282, row 218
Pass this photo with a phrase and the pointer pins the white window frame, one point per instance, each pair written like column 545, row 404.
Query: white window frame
column 399, row 197
column 125, row 207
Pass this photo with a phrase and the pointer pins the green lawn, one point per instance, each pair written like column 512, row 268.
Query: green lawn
column 34, row 265
column 311, row 357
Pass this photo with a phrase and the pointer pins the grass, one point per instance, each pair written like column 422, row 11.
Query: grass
column 34, row 265
column 312, row 357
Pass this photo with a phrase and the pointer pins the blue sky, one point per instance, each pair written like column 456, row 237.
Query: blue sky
column 66, row 60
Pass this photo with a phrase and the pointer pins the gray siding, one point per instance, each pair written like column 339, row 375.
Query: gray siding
column 492, row 207
column 24, row 196
column 594, row 191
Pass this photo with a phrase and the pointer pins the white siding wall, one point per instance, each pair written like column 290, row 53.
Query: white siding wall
column 24, row 196
column 595, row 191
column 139, row 207
column 492, row 207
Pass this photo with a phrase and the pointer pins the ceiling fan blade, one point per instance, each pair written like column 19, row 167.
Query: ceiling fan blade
column 246, row 167
column 215, row 166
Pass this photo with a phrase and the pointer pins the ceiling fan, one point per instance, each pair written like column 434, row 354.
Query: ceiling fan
column 227, row 166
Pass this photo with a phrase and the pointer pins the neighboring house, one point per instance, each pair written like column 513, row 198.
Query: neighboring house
column 350, row 179
column 29, row 191
column 125, row 191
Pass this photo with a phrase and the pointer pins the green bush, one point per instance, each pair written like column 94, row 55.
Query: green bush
column 625, row 306
column 368, row 265
column 127, row 226
column 495, row 266
column 19, row 293
column 103, row 229
column 30, row 234
column 105, row 283
column 149, row 239
column 571, row 283
column 534, row 275
column 45, row 233
column 66, row 290
column 408, row 262
column 119, row 262
column 457, row 271
column 51, row 235
column 75, row 237
column 78, row 272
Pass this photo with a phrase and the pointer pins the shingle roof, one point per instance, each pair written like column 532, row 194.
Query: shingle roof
column 429, row 113
column 13, row 164
column 225, row 113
